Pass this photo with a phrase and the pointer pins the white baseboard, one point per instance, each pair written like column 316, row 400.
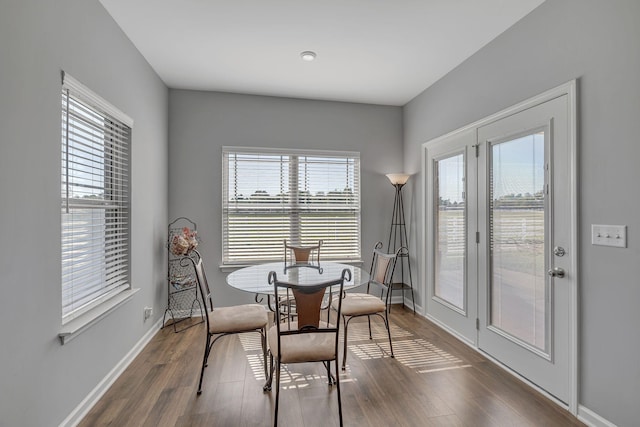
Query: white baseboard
column 584, row 414
column 74, row 418
column 472, row 345
column 407, row 303
column 460, row 337
column 592, row 419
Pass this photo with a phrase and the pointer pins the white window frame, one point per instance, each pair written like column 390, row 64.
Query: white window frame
column 96, row 139
column 343, row 211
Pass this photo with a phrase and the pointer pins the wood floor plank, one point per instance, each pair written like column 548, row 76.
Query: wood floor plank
column 434, row 380
column 169, row 407
column 105, row 412
column 443, row 421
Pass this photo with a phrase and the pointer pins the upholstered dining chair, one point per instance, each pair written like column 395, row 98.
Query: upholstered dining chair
column 295, row 256
column 365, row 304
column 308, row 338
column 225, row 321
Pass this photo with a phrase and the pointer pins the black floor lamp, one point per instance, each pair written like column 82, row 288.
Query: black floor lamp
column 398, row 235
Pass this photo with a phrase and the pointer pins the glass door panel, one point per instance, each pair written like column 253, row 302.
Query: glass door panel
column 450, row 230
column 519, row 290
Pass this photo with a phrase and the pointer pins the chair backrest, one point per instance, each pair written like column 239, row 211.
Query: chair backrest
column 301, row 255
column 309, row 300
column 383, row 266
column 201, row 279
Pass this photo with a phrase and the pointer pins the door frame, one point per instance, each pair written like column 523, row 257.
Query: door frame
column 569, row 89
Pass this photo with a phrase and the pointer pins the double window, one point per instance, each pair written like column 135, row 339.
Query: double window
column 96, row 141
column 299, row 195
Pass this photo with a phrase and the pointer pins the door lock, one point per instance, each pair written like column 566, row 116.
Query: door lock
column 557, row 272
column 558, row 251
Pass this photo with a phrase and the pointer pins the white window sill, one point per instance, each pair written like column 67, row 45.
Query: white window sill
column 83, row 322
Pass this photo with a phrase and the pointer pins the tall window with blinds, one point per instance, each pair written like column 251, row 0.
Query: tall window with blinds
column 298, row 195
column 96, row 140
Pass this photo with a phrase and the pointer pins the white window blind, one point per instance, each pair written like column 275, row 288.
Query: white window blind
column 96, row 141
column 299, row 195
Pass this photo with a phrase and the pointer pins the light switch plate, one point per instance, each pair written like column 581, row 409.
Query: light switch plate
column 609, row 235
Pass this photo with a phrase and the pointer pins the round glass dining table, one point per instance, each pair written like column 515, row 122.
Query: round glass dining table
column 254, row 279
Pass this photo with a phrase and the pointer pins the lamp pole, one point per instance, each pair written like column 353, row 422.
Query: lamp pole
column 398, row 235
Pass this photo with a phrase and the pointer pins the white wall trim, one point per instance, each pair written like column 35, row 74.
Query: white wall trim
column 574, row 374
column 450, row 331
column 89, row 318
column 408, row 304
column 526, row 381
column 592, row 419
column 74, row 418
column 78, row 88
column 584, row 414
column 506, row 368
column 569, row 89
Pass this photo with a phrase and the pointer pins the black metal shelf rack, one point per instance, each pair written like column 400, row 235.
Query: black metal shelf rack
column 182, row 291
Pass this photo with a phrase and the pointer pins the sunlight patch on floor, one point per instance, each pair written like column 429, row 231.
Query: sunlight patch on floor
column 359, row 331
column 251, row 342
column 256, row 365
column 252, row 346
column 415, row 354
column 418, row 354
column 291, row 380
column 426, row 371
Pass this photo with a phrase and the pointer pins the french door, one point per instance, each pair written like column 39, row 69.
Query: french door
column 451, row 215
column 500, row 239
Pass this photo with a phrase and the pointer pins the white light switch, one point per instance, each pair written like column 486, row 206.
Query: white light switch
column 609, row 235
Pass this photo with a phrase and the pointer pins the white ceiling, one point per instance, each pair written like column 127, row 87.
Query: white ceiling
column 368, row 51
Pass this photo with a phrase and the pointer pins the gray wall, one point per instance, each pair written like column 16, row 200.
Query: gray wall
column 41, row 381
column 597, row 42
column 200, row 123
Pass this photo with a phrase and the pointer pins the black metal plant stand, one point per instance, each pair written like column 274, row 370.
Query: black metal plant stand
column 398, row 239
column 182, row 292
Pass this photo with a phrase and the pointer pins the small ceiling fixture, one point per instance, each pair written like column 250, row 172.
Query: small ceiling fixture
column 308, row 55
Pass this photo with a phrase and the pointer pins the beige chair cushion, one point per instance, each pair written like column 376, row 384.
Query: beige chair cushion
column 238, row 318
column 307, row 347
column 360, row 304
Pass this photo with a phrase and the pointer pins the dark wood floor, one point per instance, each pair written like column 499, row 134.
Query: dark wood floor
column 434, row 381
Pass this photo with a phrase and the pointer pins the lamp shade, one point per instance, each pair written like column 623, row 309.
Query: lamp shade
column 398, row 178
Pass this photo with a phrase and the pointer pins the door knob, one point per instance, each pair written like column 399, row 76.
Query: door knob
column 557, row 272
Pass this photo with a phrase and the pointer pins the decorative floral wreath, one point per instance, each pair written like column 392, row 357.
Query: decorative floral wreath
column 183, row 243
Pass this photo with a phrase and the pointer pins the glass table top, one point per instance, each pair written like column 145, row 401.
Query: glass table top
column 254, row 279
